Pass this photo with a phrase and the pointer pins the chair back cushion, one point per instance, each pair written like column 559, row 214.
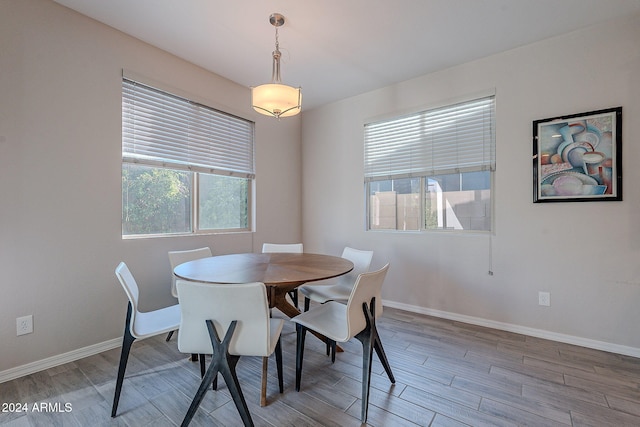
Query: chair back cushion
column 131, row 289
column 367, row 286
column 128, row 284
column 287, row 247
column 224, row 303
column 361, row 261
column 180, row 257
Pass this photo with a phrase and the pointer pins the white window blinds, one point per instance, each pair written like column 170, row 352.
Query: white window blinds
column 162, row 129
column 452, row 139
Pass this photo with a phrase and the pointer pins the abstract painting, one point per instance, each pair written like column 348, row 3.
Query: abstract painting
column 578, row 158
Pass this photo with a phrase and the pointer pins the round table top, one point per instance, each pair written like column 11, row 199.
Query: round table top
column 268, row 268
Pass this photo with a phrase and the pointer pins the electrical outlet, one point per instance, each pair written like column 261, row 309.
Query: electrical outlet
column 24, row 325
column 544, row 298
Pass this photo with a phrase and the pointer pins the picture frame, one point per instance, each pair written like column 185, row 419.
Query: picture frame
column 578, row 157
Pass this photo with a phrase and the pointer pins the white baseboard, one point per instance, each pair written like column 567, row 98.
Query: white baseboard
column 50, row 362
column 509, row 327
column 61, row 359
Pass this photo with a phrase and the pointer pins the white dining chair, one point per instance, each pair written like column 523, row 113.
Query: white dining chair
column 180, row 257
column 139, row 324
column 175, row 259
column 339, row 323
column 240, row 314
column 285, row 248
column 339, row 288
column 282, row 247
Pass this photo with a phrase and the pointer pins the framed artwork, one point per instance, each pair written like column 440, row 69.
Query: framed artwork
column 578, row 158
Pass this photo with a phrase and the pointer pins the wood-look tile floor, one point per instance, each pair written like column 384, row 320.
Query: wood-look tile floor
column 447, row 373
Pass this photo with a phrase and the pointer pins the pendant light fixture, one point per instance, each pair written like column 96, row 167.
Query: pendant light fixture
column 276, row 99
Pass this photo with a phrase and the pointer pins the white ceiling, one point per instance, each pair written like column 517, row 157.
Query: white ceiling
column 339, row 48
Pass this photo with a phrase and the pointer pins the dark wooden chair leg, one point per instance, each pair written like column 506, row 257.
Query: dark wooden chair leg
column 300, row 334
column 367, row 355
column 377, row 346
column 169, row 335
column 201, row 358
column 203, row 368
column 279, row 366
column 127, row 341
column 197, row 399
column 294, row 297
column 377, row 342
column 370, row 340
column 225, row 363
column 331, row 349
column 228, row 371
column 307, row 303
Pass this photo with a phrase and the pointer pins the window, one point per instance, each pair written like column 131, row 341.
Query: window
column 432, row 170
column 186, row 167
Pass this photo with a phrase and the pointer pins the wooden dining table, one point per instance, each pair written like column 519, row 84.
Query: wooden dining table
column 280, row 272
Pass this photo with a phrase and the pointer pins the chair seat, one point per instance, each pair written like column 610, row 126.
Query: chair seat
column 322, row 293
column 339, row 288
column 156, row 322
column 329, row 319
column 337, row 292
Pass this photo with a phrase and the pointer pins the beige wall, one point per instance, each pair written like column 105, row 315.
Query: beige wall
column 584, row 254
column 60, row 163
column 60, row 188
